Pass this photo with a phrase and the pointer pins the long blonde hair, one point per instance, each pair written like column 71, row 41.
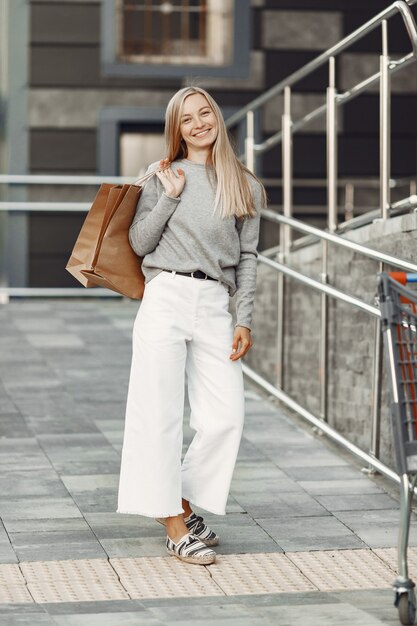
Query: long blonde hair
column 233, row 192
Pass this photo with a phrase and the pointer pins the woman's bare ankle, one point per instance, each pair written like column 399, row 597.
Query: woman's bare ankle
column 176, row 527
column 187, row 509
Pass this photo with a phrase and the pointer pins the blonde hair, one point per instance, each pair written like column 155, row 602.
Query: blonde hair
column 233, row 193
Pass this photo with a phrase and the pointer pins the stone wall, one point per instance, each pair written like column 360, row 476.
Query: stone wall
column 351, row 331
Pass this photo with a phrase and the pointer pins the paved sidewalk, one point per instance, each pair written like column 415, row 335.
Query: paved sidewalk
column 307, row 539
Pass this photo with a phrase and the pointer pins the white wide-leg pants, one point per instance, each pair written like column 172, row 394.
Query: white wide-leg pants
column 183, row 326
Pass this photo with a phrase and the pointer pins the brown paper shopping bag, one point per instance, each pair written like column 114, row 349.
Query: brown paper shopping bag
column 102, row 255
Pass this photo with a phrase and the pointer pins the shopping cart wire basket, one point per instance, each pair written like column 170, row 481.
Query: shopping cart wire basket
column 398, row 306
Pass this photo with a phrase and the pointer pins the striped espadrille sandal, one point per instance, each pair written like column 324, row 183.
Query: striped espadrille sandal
column 191, row 550
column 196, row 526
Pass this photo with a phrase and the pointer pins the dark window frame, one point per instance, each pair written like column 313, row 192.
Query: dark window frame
column 237, row 68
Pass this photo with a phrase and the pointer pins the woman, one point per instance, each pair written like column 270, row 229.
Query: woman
column 197, row 229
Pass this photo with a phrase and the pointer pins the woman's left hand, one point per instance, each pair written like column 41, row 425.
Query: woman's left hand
column 243, row 337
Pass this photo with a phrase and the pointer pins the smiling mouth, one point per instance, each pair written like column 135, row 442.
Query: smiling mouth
column 202, row 133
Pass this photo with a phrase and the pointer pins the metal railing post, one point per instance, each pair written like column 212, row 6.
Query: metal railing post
column 324, row 334
column 285, row 230
column 384, row 125
column 385, row 174
column 250, row 141
column 331, row 143
column 331, row 138
column 287, row 181
column 349, row 201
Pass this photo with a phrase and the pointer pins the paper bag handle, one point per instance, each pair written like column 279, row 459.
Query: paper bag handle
column 148, row 176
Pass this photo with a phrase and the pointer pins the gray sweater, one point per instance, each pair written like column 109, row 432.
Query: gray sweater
column 183, row 234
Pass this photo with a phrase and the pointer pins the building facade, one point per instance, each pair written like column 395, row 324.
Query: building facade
column 88, row 82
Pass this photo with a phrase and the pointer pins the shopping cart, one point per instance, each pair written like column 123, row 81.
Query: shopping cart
column 398, row 305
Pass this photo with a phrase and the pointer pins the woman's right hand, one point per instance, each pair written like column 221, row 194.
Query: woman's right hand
column 173, row 184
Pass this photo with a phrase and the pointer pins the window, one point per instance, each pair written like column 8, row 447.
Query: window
column 175, row 38
column 187, row 32
column 138, row 150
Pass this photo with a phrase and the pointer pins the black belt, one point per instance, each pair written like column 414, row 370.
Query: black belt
column 196, row 274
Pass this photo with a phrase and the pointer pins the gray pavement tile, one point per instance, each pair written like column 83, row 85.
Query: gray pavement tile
column 29, row 619
column 272, row 486
column 346, row 502
column 320, row 614
column 7, row 554
column 50, row 404
column 32, row 482
column 351, row 486
column 115, row 439
column 107, row 619
column 310, row 533
column 314, row 472
column 300, row 455
column 275, row 504
column 46, row 546
column 58, row 425
column 20, row 609
column 44, row 525
column 80, row 484
column 113, row 525
column 232, row 506
column 109, row 425
column 378, row 528
column 77, row 441
column 27, row 387
column 26, row 372
column 40, row 324
column 14, row 425
column 288, row 599
column 84, row 466
column 219, row 613
column 7, row 406
column 134, row 546
column 111, row 607
column 252, row 468
column 108, row 409
column 378, row 603
column 99, row 501
column 21, row 454
column 39, row 507
column 54, row 340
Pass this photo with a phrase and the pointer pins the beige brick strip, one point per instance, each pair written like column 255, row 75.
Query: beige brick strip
column 164, row 576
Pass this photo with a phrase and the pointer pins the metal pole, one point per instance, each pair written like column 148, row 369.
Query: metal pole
column 324, row 335
column 285, row 230
column 349, row 201
column 287, row 166
column 385, row 173
column 384, row 125
column 376, row 389
column 280, row 316
column 250, row 141
column 331, row 137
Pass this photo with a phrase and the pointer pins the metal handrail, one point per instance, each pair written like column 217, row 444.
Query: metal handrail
column 61, row 179
column 321, row 426
column 398, row 6
column 340, row 99
column 322, row 287
column 340, row 241
column 85, row 179
column 29, row 206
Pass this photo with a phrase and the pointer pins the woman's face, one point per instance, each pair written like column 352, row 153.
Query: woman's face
column 198, row 123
